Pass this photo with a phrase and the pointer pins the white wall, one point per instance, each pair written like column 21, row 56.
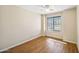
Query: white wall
column 78, row 27
column 68, row 28
column 43, row 25
column 69, row 25
column 17, row 25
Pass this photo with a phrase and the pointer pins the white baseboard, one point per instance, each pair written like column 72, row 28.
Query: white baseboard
column 5, row 49
column 70, row 41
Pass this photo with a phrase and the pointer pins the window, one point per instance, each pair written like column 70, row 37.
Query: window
column 54, row 23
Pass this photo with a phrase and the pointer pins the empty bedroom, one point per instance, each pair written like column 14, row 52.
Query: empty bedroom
column 39, row 29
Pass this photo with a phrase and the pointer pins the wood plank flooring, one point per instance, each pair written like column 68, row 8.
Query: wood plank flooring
column 45, row 45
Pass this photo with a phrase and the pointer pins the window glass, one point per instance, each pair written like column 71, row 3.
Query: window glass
column 54, row 23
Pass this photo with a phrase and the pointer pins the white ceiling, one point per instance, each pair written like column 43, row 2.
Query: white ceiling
column 53, row 8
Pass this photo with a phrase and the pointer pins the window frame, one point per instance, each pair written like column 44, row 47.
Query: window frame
column 53, row 23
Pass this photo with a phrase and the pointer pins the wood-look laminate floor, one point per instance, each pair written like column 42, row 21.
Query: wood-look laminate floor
column 45, row 45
